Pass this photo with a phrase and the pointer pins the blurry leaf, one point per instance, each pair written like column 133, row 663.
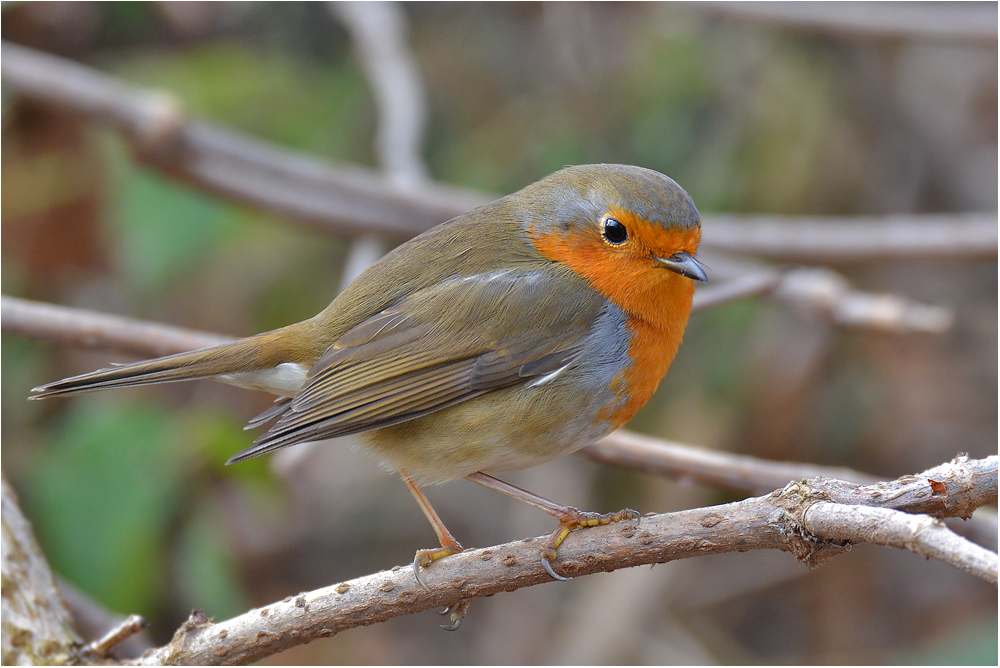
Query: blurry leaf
column 208, row 574
column 318, row 108
column 23, row 362
column 215, row 438
column 972, row 645
column 165, row 228
column 103, row 500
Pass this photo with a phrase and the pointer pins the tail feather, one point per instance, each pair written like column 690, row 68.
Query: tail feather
column 245, row 355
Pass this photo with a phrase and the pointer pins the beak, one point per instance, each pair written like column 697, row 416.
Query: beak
column 684, row 264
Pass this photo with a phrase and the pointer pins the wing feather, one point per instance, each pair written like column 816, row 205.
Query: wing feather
column 401, row 363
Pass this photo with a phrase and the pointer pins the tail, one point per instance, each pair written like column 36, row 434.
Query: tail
column 250, row 362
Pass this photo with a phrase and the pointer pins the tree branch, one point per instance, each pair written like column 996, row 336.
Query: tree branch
column 80, row 328
column 853, row 239
column 921, row 534
column 966, row 24
column 645, row 454
column 378, row 33
column 807, row 519
column 37, row 626
column 823, row 293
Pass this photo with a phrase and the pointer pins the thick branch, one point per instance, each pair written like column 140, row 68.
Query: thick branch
column 37, row 627
column 357, row 201
column 768, row 522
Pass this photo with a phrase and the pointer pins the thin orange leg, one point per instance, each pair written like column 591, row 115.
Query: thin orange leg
column 449, row 545
column 569, row 517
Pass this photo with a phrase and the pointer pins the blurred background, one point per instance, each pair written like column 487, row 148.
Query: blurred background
column 751, row 111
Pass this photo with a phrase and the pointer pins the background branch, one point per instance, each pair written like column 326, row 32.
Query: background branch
column 378, row 32
column 353, row 200
column 655, row 456
column 767, row 522
column 967, row 23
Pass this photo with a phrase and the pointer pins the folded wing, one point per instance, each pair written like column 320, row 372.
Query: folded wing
column 437, row 347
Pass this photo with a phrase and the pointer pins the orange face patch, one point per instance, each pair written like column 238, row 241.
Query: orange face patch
column 656, row 300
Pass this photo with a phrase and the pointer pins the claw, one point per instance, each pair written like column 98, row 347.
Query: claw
column 416, row 572
column 458, row 612
column 547, row 565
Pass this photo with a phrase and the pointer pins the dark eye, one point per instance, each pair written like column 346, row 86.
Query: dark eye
column 614, row 231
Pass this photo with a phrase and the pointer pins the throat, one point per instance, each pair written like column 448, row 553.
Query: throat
column 655, row 340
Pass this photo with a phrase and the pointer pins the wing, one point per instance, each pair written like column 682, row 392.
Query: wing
column 440, row 346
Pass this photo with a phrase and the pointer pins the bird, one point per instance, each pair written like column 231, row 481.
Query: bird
column 513, row 334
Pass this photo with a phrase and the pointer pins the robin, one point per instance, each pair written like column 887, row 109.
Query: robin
column 513, row 334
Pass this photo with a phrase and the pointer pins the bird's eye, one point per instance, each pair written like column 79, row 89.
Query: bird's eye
column 614, row 231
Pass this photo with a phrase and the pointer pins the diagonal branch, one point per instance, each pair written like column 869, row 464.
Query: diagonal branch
column 803, row 518
column 37, row 626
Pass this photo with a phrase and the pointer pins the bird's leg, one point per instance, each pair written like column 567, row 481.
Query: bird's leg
column 569, row 517
column 449, row 545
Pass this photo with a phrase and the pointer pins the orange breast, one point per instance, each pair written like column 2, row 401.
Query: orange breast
column 656, row 301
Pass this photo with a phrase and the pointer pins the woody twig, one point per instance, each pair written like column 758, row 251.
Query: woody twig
column 816, row 520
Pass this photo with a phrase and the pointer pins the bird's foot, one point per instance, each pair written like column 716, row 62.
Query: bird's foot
column 456, row 613
column 577, row 519
column 425, row 558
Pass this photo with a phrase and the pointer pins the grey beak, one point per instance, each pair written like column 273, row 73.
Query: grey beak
column 683, row 264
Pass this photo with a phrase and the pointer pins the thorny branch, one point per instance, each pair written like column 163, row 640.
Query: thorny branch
column 815, row 520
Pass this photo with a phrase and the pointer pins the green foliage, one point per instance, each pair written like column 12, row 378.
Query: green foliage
column 104, row 497
column 207, row 571
column 119, row 480
column 267, row 93
column 164, row 230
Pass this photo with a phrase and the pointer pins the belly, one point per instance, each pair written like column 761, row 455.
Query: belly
column 503, row 431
